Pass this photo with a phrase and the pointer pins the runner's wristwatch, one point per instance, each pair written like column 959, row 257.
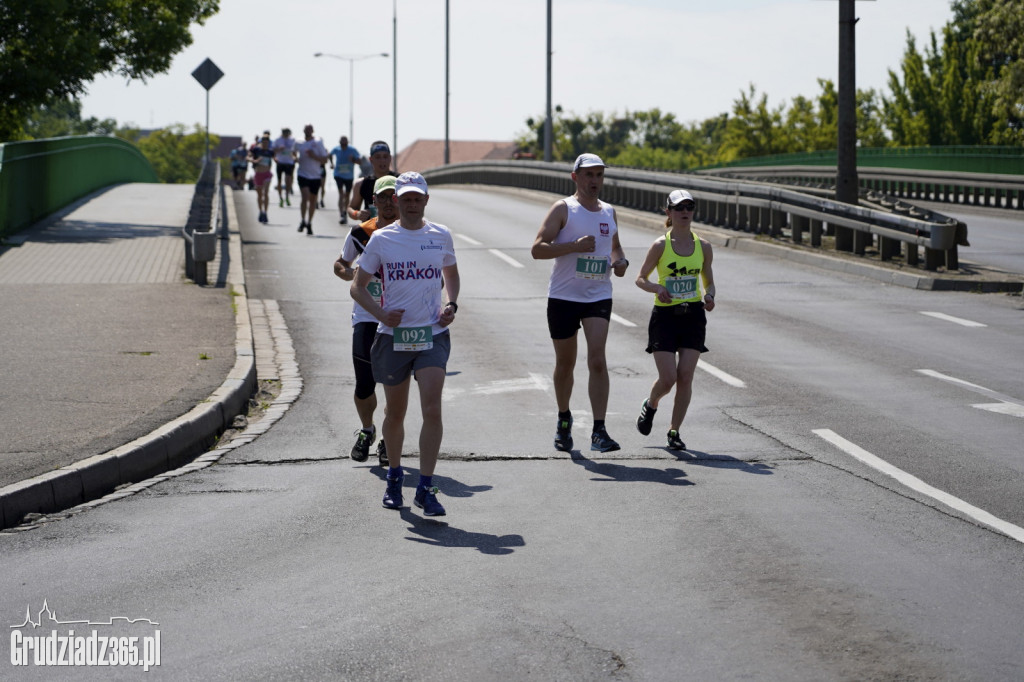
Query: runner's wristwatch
column 454, row 305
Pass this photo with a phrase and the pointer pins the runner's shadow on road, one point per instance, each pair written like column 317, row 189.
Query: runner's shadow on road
column 449, row 486
column 437, row 533
column 720, row 461
column 631, row 474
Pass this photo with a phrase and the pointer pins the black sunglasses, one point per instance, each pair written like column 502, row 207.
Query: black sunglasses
column 683, row 206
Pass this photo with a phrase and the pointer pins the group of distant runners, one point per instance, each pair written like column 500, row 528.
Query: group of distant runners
column 306, row 162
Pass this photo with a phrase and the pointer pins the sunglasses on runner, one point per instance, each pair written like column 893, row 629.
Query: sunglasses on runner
column 683, row 206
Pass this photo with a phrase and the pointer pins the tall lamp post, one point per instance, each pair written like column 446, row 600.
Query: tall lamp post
column 351, row 59
column 394, row 79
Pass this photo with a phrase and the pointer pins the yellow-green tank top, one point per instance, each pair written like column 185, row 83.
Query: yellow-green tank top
column 680, row 274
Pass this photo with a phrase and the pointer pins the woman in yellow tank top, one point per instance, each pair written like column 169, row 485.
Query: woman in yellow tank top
column 675, row 334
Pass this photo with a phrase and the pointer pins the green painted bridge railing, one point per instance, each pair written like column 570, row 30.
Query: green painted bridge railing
column 39, row 177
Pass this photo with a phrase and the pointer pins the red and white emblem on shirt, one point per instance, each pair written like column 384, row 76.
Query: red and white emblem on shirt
column 604, row 229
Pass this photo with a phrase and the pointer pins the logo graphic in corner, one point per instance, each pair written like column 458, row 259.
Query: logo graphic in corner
column 124, row 642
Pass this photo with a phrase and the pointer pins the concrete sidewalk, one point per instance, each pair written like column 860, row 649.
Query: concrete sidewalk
column 114, row 364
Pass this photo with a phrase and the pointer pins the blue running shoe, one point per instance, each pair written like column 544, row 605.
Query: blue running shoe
column 426, row 499
column 393, row 495
column 563, row 435
column 602, row 442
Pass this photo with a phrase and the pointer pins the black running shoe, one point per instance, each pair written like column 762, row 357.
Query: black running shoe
column 675, row 442
column 364, row 439
column 382, row 454
column 602, row 442
column 563, row 435
column 646, row 418
column 302, row 226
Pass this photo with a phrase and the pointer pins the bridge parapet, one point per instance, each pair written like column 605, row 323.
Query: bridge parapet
column 756, row 207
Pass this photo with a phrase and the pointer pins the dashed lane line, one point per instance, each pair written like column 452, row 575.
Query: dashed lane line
column 914, row 483
column 1006, row 404
column 508, row 259
column 719, row 374
column 621, row 320
column 955, row 320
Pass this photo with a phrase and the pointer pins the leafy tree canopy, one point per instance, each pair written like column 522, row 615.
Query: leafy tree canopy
column 965, row 88
column 50, row 49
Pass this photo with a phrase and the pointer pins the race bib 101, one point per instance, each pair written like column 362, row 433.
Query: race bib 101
column 591, row 267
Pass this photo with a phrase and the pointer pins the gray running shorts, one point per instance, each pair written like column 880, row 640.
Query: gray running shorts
column 392, row 367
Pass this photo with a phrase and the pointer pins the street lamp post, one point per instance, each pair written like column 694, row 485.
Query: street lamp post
column 394, row 79
column 351, row 59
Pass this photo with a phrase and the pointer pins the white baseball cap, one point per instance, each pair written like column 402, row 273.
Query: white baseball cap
column 677, row 196
column 410, row 181
column 587, row 161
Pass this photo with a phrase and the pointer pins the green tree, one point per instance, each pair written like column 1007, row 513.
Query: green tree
column 63, row 117
column 996, row 28
column 754, row 129
column 50, row 49
column 177, row 156
column 969, row 89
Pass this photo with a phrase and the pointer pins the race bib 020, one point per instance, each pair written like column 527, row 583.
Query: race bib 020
column 681, row 288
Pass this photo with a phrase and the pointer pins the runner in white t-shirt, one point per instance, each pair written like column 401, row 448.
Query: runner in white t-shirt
column 415, row 259
column 312, row 156
column 284, row 159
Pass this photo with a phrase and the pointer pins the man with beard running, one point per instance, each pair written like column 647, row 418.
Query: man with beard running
column 364, row 325
column 361, row 207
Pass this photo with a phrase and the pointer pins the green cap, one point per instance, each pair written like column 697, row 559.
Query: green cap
column 384, row 183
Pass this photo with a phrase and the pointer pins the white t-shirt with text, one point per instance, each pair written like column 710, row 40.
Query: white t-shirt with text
column 409, row 263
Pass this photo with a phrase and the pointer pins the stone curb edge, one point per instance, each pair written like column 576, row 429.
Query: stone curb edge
column 170, row 446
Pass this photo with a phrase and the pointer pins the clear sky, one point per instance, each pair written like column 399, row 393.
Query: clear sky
column 691, row 58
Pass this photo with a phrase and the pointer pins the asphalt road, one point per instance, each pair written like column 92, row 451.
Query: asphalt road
column 996, row 235
column 846, row 510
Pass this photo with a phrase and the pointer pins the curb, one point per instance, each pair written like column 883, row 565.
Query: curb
column 168, row 447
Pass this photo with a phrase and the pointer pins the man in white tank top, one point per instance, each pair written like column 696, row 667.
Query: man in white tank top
column 581, row 235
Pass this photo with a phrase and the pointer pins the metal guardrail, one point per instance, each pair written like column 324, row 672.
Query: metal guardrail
column 204, row 217
column 975, row 189
column 749, row 206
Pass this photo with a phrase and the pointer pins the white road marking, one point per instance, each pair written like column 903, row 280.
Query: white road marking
column 1006, row 404
column 621, row 320
column 957, row 320
column 1012, row 409
column 505, row 257
column 719, row 374
column 468, row 240
column 914, row 483
column 535, row 382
